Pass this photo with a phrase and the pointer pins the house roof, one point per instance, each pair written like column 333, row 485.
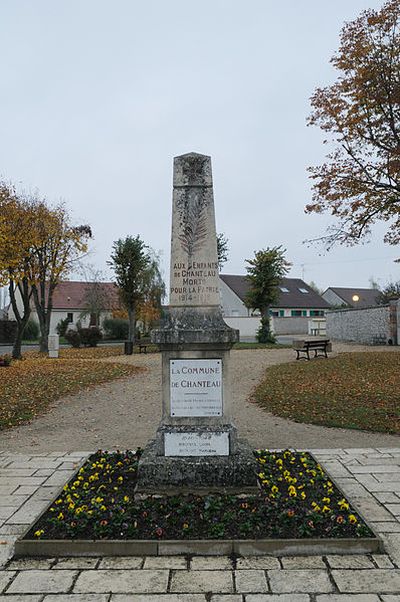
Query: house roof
column 71, row 294
column 294, row 298
column 367, row 296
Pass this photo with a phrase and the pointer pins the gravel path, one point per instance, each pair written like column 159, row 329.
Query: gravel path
column 125, row 413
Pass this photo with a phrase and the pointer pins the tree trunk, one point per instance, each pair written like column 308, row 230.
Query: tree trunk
column 21, row 319
column 132, row 324
column 264, row 333
column 44, row 313
column 16, row 350
column 42, row 319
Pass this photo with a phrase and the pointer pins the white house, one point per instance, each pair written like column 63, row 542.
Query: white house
column 338, row 296
column 296, row 305
column 70, row 300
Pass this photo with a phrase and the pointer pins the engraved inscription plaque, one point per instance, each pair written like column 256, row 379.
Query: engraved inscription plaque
column 196, row 387
column 197, row 444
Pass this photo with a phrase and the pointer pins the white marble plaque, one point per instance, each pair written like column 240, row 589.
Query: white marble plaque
column 197, row 444
column 196, row 387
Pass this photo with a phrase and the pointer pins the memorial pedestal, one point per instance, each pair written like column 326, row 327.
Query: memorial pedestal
column 196, row 447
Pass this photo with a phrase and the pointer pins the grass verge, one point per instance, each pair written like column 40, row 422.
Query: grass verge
column 353, row 390
column 28, row 386
column 296, row 499
column 244, row 345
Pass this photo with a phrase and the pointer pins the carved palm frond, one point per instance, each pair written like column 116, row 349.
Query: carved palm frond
column 193, row 223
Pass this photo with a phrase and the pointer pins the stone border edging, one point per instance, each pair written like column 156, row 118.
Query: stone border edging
column 225, row 547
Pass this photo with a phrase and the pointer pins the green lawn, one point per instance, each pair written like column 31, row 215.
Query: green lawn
column 244, row 345
column 353, row 390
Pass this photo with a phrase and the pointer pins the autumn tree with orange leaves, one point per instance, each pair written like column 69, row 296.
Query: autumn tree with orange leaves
column 359, row 183
column 15, row 257
column 39, row 246
column 56, row 247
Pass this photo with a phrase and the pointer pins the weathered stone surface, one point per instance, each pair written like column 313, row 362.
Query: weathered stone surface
column 5, row 579
column 196, row 444
column 42, row 582
column 386, row 527
column 300, row 581
column 257, row 562
column 202, row 581
column 371, row 581
column 351, row 561
column 383, row 561
column 303, row 562
column 76, row 563
column 236, row 472
column 124, row 581
column 192, row 327
column 121, row 562
column 160, row 598
column 211, row 563
column 227, row 598
column 29, row 564
column 165, row 562
column 76, row 598
column 278, row 598
column 194, row 263
column 251, row 581
column 347, row 598
column 22, row 598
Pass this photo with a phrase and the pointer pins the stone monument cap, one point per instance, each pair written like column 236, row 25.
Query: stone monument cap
column 192, row 169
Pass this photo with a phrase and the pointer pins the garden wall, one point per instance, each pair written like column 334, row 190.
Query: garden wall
column 247, row 326
column 290, row 325
column 8, row 330
column 368, row 326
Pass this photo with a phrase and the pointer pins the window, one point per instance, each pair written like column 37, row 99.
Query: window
column 304, row 313
column 296, row 312
column 70, row 317
column 284, row 289
column 273, row 313
column 281, row 313
column 317, row 312
column 303, row 290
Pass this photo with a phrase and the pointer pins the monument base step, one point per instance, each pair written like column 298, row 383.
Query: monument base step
column 200, row 475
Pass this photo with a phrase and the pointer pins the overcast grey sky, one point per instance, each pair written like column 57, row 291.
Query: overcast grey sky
column 97, row 97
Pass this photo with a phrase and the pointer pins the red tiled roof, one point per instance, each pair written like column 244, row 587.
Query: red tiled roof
column 71, row 294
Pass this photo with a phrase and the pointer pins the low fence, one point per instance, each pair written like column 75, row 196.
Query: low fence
column 369, row 326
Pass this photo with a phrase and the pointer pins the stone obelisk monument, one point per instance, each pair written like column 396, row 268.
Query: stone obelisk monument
column 196, row 446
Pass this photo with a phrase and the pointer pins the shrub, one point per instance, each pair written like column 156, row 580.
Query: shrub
column 62, row 327
column 5, row 360
column 90, row 336
column 73, row 337
column 31, row 331
column 264, row 335
column 116, row 328
column 8, row 331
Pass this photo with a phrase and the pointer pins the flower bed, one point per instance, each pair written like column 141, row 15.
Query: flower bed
column 296, row 500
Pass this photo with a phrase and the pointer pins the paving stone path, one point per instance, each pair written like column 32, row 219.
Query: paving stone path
column 124, row 414
column 370, row 476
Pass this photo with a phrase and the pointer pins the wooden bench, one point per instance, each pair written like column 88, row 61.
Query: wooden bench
column 143, row 344
column 319, row 346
